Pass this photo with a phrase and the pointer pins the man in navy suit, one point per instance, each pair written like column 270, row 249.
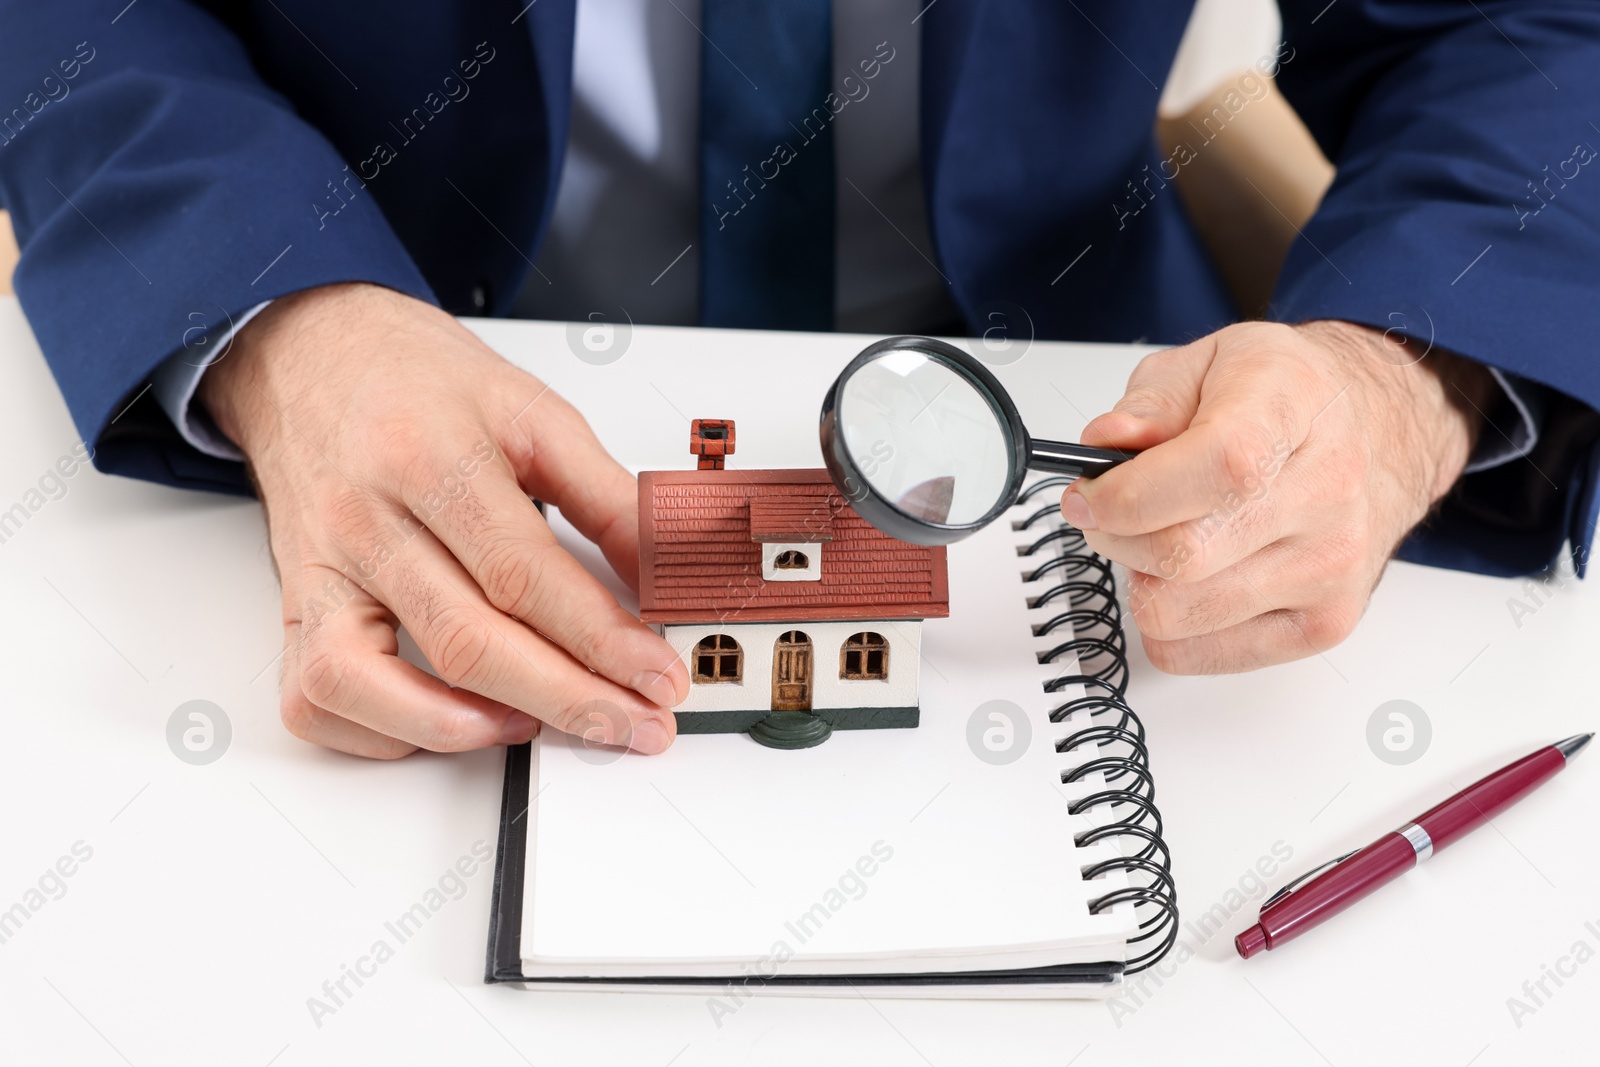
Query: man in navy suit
column 314, row 189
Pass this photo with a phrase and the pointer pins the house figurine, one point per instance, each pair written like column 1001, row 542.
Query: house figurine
column 794, row 615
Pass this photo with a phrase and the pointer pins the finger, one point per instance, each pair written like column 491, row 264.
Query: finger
column 1274, row 507
column 308, row 722
column 491, row 526
column 1288, row 571
column 348, row 663
column 1276, row 636
column 556, row 457
column 1252, row 415
column 1160, row 401
column 476, row 647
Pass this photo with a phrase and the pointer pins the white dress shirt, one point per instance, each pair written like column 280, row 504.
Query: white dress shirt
column 628, row 207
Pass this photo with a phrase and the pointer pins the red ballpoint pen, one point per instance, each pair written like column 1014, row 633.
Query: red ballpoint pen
column 1318, row 895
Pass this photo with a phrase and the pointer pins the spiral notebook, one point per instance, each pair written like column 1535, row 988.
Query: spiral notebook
column 1007, row 846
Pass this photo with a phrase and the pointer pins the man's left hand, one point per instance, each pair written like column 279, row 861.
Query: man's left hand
column 1280, row 467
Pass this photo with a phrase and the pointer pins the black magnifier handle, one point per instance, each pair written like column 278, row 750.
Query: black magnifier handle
column 1081, row 461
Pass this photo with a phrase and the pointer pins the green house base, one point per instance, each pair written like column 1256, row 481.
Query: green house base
column 791, row 729
column 797, row 729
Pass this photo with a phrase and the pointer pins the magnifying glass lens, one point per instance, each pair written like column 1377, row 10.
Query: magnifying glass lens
column 927, row 441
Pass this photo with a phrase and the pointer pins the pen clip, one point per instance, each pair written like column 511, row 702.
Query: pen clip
column 1279, row 894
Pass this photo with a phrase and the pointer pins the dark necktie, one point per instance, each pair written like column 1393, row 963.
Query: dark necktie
column 766, row 164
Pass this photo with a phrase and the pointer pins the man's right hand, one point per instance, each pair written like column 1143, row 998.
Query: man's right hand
column 395, row 455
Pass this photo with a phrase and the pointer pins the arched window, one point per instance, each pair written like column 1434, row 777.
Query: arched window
column 718, row 658
column 790, row 560
column 864, row 657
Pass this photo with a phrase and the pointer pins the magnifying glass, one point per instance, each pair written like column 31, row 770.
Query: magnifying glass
column 926, row 445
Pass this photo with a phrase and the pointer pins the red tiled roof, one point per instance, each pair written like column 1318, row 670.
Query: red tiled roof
column 700, row 552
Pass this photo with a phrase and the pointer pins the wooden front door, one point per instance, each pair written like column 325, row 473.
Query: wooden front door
column 791, row 672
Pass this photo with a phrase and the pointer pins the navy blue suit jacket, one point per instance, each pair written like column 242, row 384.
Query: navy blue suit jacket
column 175, row 164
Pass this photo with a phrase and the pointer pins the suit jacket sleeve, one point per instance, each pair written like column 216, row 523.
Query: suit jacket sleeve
column 1466, row 214
column 159, row 190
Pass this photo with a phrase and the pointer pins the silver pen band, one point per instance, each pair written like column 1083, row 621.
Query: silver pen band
column 1421, row 843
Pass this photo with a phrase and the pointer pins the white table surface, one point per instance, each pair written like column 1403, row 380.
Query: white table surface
column 218, row 898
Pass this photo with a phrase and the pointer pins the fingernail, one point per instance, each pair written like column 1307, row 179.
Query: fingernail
column 656, row 687
column 1075, row 510
column 649, row 737
column 517, row 729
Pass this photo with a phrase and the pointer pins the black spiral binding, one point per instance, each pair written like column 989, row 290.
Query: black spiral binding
column 1086, row 592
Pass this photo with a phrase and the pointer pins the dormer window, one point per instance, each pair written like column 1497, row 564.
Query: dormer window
column 791, row 562
column 792, row 530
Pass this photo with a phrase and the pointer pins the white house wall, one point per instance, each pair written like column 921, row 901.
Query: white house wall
column 828, row 690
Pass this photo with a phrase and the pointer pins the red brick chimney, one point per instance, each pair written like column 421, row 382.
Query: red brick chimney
column 711, row 440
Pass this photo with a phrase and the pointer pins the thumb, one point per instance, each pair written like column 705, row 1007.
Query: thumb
column 557, row 458
column 1161, row 400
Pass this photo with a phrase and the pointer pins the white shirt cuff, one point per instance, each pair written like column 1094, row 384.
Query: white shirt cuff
column 175, row 381
column 1501, row 444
